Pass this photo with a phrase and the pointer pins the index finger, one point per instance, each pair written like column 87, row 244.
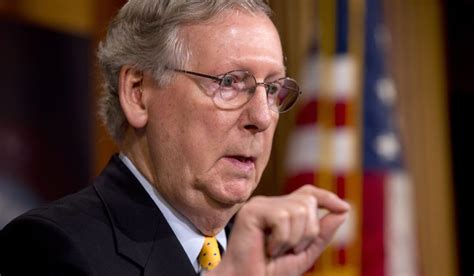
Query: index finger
column 326, row 199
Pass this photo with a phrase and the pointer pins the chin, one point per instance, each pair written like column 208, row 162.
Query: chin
column 232, row 192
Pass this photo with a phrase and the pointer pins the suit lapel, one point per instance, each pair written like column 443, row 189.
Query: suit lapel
column 167, row 256
column 141, row 232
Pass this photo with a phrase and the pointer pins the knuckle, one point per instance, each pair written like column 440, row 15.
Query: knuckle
column 282, row 215
column 311, row 201
column 300, row 210
column 307, row 188
column 312, row 231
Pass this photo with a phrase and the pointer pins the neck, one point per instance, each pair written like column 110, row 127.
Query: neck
column 208, row 222
column 135, row 148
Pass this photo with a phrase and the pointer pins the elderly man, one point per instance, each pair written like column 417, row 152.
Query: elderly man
column 193, row 92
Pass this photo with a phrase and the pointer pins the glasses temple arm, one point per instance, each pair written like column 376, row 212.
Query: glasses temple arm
column 198, row 74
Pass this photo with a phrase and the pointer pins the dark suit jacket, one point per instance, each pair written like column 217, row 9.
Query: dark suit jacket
column 112, row 227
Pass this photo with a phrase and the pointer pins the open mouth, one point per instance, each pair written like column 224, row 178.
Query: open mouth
column 243, row 159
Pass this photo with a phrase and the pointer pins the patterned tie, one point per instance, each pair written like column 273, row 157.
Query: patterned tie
column 209, row 257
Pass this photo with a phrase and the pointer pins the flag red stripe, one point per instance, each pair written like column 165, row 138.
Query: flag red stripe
column 373, row 257
column 340, row 114
column 341, row 185
column 296, row 181
column 308, row 114
column 341, row 256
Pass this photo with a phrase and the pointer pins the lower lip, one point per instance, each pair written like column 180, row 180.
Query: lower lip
column 246, row 166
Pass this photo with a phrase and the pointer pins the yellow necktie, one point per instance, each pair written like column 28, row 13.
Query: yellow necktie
column 209, row 257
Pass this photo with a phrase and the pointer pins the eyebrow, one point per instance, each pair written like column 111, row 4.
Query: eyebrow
column 236, row 65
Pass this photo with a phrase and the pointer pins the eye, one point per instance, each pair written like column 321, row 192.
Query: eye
column 228, row 81
column 272, row 88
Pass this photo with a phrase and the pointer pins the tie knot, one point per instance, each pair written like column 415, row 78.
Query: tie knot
column 209, row 257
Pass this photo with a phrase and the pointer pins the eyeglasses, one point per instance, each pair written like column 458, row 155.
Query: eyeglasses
column 235, row 88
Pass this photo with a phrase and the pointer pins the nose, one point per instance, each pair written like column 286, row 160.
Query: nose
column 258, row 115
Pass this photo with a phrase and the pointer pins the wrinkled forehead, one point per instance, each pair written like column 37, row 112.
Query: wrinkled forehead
column 234, row 38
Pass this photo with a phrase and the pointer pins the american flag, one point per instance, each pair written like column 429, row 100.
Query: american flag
column 346, row 140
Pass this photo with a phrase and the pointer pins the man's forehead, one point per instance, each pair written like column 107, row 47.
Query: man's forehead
column 235, row 41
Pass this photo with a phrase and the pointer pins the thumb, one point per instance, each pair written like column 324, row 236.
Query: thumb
column 328, row 227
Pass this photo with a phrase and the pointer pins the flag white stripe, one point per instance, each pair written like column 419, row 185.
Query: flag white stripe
column 400, row 239
column 305, row 147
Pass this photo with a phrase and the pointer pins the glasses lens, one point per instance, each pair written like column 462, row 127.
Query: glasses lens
column 234, row 88
column 237, row 87
column 287, row 95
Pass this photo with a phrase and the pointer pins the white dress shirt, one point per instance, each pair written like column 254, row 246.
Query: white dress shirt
column 189, row 237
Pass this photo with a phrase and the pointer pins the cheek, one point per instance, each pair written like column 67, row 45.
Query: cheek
column 193, row 133
column 205, row 137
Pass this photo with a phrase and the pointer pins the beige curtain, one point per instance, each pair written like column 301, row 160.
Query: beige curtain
column 418, row 65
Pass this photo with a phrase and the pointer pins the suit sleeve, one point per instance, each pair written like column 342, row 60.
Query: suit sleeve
column 33, row 245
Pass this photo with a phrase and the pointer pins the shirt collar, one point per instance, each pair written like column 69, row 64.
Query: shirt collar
column 189, row 237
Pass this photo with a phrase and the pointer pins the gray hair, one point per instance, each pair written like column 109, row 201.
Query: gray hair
column 145, row 34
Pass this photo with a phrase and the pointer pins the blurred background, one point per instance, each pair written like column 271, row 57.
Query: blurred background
column 384, row 120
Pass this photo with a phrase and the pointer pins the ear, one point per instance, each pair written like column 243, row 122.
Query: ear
column 131, row 96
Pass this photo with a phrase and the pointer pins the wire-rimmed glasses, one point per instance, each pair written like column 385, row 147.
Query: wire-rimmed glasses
column 236, row 88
